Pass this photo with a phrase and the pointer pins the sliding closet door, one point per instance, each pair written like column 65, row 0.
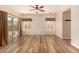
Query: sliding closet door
column 10, row 28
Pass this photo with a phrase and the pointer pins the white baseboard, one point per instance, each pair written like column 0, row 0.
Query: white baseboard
column 58, row 36
column 74, row 45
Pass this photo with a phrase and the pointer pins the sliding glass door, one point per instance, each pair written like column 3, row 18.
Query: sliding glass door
column 10, row 28
column 13, row 28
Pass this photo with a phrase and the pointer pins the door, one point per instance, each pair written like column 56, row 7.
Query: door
column 13, row 28
column 67, row 24
column 10, row 28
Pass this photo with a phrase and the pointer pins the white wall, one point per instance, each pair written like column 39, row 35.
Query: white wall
column 59, row 25
column 38, row 24
column 59, row 20
column 75, row 26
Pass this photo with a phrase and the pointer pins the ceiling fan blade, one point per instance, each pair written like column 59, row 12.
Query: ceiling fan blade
column 31, row 9
column 33, row 6
column 41, row 6
column 42, row 10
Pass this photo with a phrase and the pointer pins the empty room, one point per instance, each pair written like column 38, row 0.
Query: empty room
column 39, row 29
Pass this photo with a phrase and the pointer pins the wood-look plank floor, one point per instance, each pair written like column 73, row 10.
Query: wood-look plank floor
column 39, row 44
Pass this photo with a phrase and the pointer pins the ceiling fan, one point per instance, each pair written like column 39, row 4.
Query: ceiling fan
column 37, row 8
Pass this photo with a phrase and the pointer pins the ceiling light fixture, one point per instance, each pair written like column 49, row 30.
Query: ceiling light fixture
column 37, row 8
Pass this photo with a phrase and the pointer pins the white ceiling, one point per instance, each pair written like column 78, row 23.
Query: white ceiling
column 25, row 9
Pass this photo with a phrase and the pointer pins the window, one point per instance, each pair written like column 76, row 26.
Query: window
column 27, row 25
column 50, row 24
